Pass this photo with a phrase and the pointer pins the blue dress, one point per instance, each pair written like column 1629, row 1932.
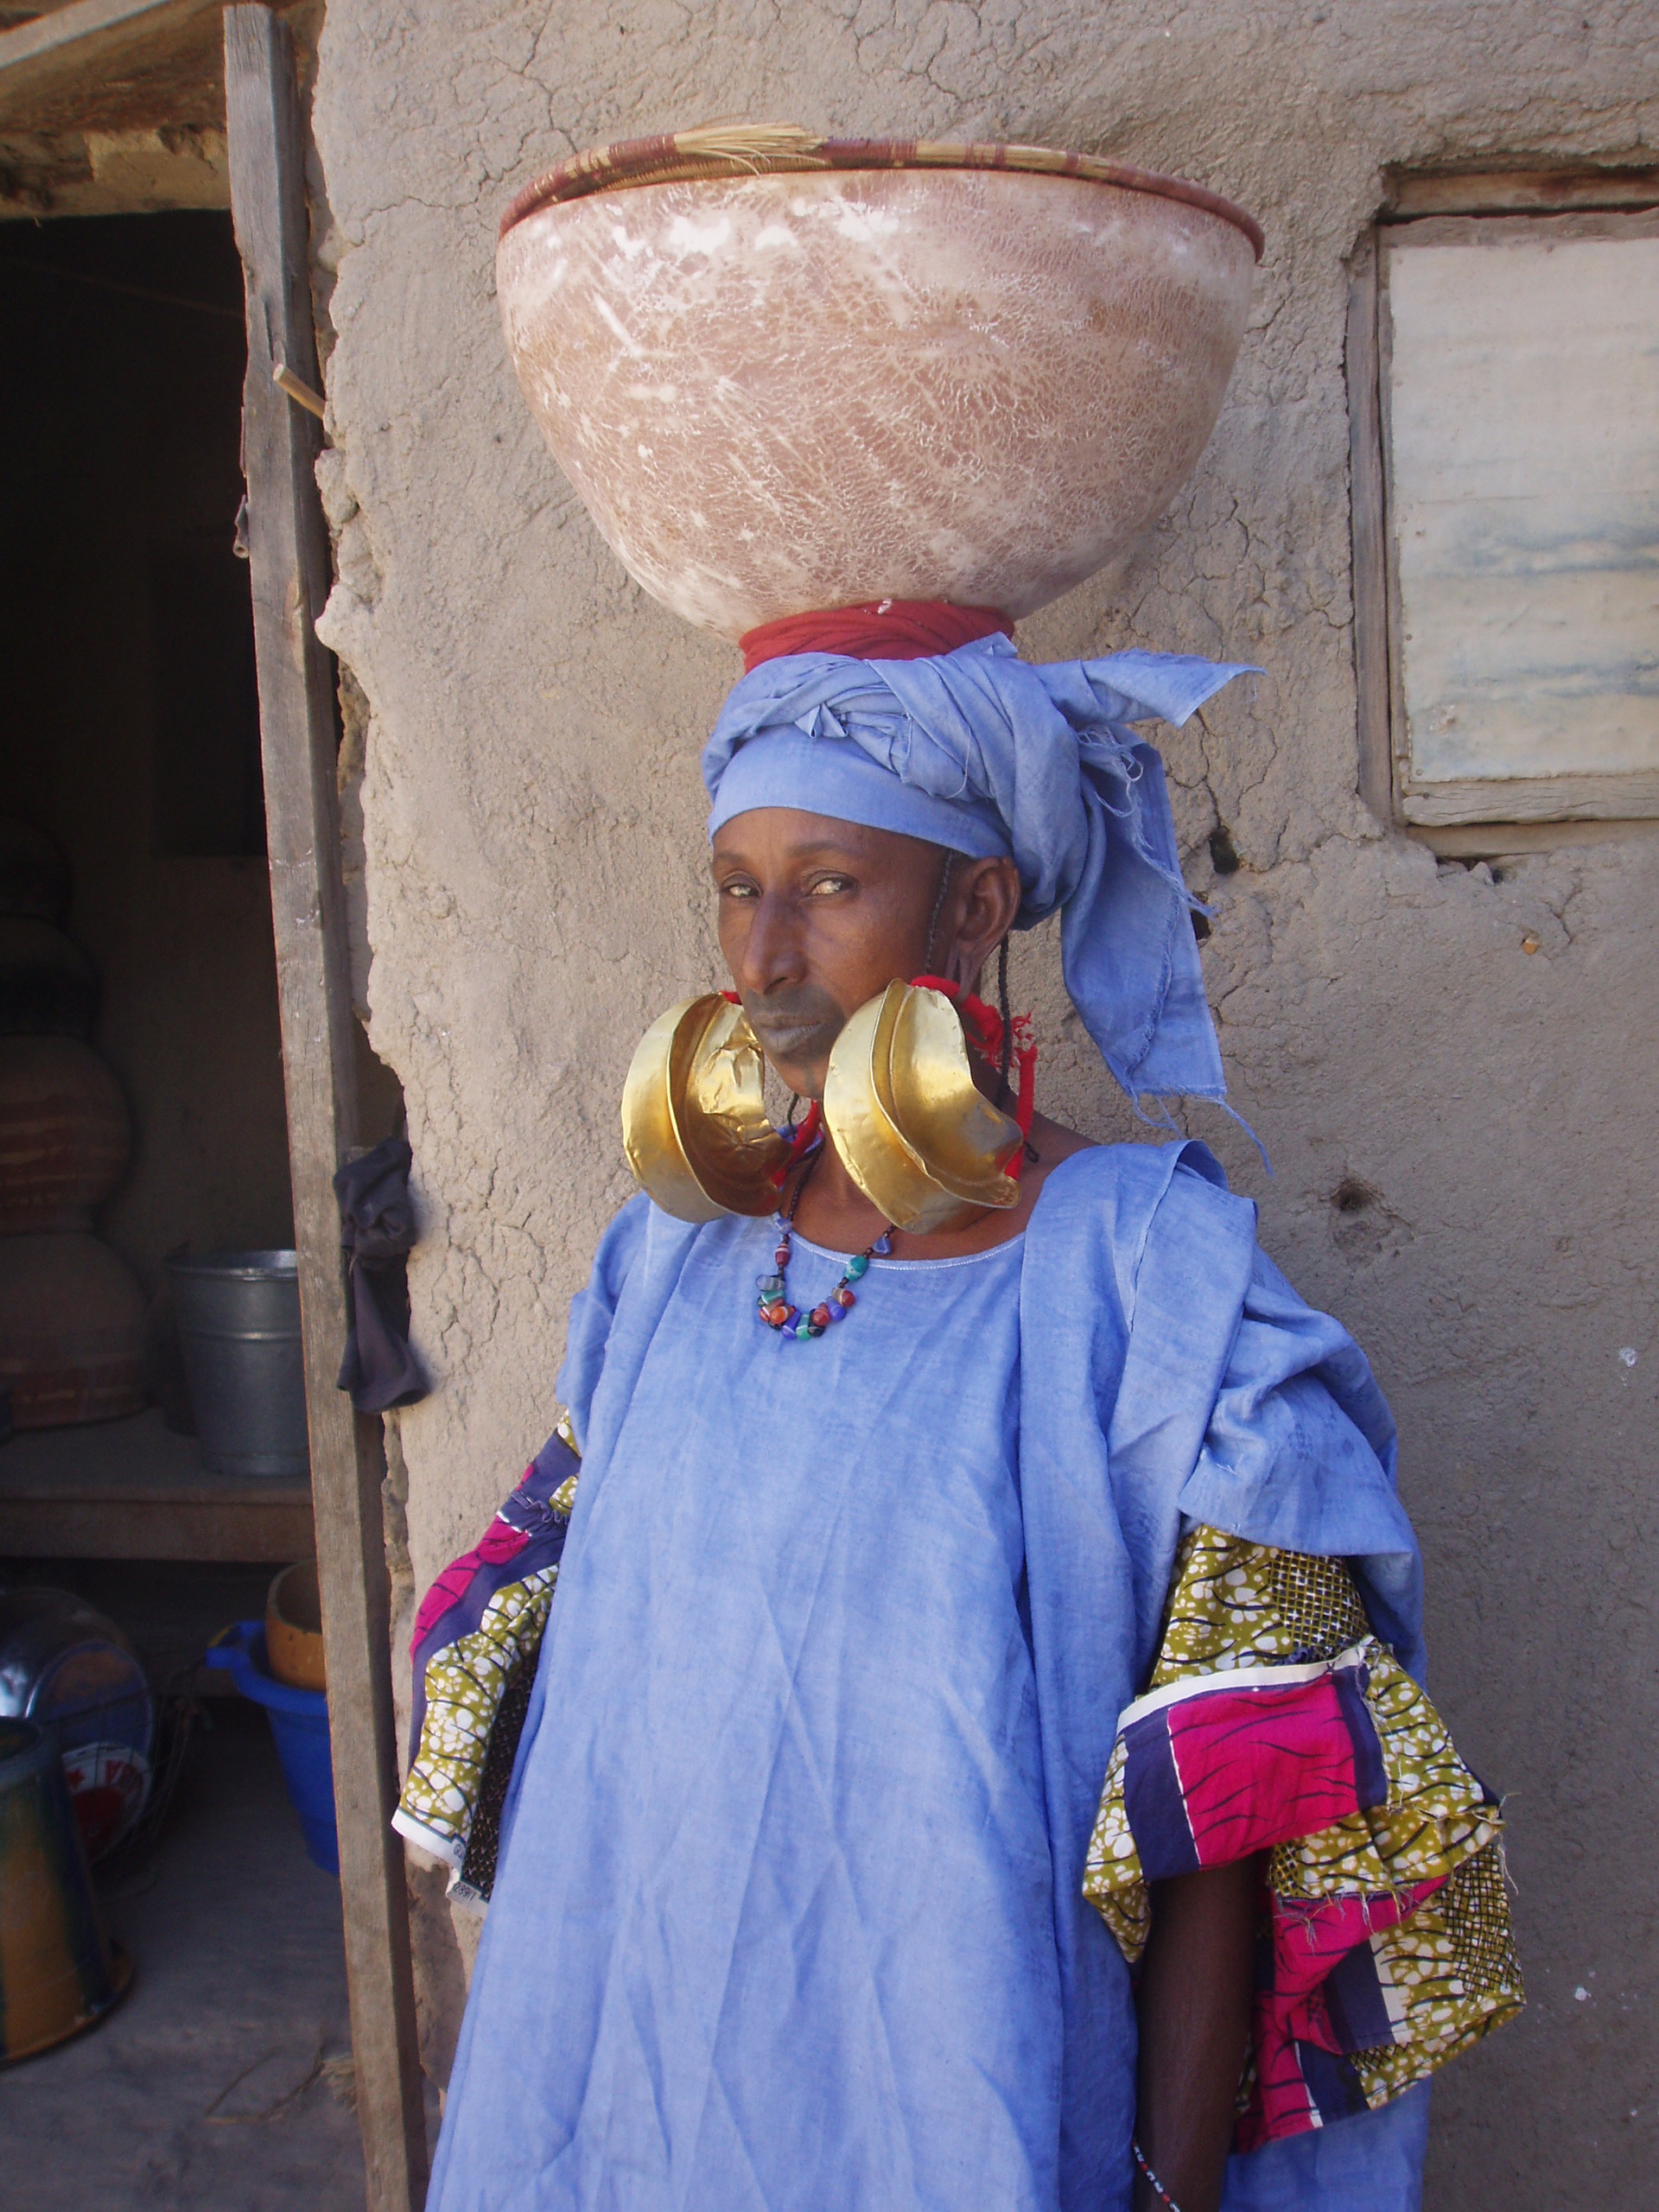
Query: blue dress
column 789, row 1914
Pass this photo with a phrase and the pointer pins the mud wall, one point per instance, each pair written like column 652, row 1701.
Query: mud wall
column 1462, row 1130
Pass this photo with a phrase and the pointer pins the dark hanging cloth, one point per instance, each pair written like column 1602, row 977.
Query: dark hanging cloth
column 377, row 1221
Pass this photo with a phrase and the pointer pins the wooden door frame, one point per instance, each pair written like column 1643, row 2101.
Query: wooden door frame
column 289, row 559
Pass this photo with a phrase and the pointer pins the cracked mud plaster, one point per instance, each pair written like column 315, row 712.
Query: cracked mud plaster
column 1462, row 1130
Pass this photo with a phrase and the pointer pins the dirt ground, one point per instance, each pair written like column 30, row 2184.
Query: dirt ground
column 209, row 2089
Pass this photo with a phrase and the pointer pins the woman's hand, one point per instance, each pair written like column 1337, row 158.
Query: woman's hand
column 1194, row 2007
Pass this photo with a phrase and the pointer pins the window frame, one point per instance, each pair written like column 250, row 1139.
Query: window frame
column 1487, row 815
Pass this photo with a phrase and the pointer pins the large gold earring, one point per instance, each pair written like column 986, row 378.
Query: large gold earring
column 916, row 1133
column 695, row 1125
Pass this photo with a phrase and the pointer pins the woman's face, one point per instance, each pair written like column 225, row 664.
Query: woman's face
column 817, row 915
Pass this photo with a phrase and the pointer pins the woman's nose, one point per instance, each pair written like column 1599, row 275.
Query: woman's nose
column 772, row 955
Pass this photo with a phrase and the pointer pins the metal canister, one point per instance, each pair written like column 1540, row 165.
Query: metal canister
column 69, row 1670
column 239, row 1315
column 59, row 1972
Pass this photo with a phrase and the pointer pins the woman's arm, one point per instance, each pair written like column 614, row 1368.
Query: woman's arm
column 1194, row 2007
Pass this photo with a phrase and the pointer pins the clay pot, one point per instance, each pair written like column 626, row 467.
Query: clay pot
column 294, row 1627
column 49, row 988
column 65, row 1136
column 972, row 374
column 72, row 1331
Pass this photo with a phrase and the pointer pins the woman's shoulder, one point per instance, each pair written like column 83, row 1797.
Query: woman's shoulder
column 642, row 1245
column 1091, row 1184
column 1125, row 1216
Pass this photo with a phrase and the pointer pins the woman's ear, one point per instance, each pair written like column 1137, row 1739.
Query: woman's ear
column 988, row 899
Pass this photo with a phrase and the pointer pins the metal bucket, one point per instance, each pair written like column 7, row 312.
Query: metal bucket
column 239, row 1326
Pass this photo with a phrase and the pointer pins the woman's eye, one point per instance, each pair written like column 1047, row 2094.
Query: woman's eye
column 737, row 889
column 826, row 885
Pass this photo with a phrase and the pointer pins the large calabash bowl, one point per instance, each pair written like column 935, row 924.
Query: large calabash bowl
column 881, row 371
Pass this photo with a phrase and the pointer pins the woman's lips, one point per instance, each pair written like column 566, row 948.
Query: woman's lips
column 782, row 1041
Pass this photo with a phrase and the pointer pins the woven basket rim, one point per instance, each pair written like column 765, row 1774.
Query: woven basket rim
column 715, row 153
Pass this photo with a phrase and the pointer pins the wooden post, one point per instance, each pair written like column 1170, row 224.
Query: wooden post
column 1366, row 494
column 289, row 557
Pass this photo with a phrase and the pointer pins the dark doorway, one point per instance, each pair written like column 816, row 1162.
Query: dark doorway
column 130, row 737
column 129, row 716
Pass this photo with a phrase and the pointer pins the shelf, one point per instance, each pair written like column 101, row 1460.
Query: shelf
column 132, row 1490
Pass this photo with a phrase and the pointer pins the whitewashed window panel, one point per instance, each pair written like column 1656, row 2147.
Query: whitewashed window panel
column 1521, row 419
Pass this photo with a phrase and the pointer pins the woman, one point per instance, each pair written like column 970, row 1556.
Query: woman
column 973, row 1649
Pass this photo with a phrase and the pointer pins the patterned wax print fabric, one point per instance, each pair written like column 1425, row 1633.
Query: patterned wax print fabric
column 790, row 1914
column 477, row 1637
column 1277, row 1722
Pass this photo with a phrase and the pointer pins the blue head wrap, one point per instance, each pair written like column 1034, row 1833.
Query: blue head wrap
column 988, row 754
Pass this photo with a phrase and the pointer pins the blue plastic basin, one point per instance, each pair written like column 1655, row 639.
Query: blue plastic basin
column 299, row 1721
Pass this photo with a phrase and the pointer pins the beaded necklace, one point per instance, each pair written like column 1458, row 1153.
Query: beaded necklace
column 774, row 1305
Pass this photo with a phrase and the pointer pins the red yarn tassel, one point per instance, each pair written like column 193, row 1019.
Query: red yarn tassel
column 801, row 1143
column 1025, row 1059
